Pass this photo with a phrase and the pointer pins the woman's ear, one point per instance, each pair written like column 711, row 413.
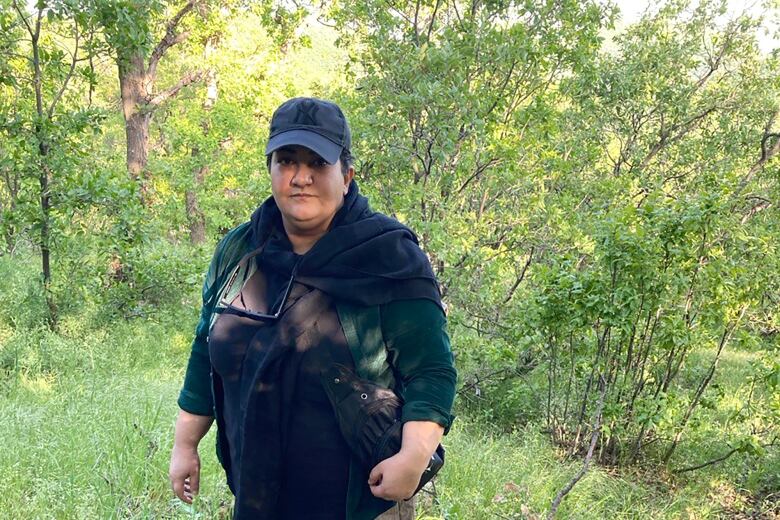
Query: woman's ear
column 348, row 178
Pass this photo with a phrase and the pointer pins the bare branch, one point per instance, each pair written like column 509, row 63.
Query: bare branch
column 593, row 440
column 766, row 154
column 35, row 35
column 38, row 19
column 171, row 38
column 17, row 56
column 728, row 454
column 24, row 19
column 760, row 206
column 399, row 12
column 433, row 20
column 477, row 173
column 474, row 385
column 501, row 89
column 520, row 278
column 715, row 62
column 708, row 463
column 163, row 96
column 724, row 339
column 321, row 21
column 74, row 59
column 416, row 18
column 9, row 30
column 666, row 138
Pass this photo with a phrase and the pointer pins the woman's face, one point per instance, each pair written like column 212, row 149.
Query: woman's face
column 307, row 190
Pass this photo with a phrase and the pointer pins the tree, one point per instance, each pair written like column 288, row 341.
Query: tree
column 129, row 28
column 216, row 132
column 590, row 210
column 195, row 216
column 678, row 123
column 11, row 145
column 40, row 96
column 456, row 108
column 450, row 103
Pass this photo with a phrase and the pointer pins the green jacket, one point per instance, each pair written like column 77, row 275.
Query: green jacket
column 401, row 345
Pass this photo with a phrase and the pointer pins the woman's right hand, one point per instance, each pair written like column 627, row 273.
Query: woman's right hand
column 184, row 471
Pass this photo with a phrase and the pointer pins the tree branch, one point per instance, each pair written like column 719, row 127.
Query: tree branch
column 24, row 20
column 761, row 206
column 731, row 452
column 433, row 19
column 501, row 89
column 766, row 154
column 728, row 454
column 74, row 59
column 399, row 12
column 10, row 29
column 593, row 440
column 667, row 138
column 416, row 18
column 519, row 278
column 479, row 171
column 485, row 378
column 715, row 62
column 724, row 339
column 165, row 95
column 171, row 38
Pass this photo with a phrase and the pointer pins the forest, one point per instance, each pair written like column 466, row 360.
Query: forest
column 598, row 200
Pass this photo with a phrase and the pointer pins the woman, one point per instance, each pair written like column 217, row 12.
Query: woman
column 315, row 277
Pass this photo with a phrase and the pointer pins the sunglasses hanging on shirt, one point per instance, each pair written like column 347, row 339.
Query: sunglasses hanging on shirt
column 238, row 279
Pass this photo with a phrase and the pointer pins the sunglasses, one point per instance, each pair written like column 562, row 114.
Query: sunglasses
column 225, row 305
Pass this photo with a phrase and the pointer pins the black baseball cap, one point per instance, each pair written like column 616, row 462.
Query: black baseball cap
column 314, row 123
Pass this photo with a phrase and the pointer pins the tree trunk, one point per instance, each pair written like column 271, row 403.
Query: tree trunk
column 11, row 179
column 44, row 179
column 44, row 175
column 134, row 84
column 195, row 216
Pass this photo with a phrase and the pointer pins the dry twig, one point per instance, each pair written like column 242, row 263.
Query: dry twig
column 593, row 440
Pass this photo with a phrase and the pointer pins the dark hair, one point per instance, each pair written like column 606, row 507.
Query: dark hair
column 346, row 159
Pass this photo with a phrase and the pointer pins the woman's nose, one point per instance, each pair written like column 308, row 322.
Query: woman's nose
column 302, row 176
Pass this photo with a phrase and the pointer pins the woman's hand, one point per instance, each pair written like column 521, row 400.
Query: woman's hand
column 396, row 478
column 184, row 471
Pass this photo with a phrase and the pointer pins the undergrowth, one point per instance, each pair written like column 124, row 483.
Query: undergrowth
column 89, row 413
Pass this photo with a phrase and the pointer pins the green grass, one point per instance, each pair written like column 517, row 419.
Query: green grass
column 517, row 476
column 88, row 421
column 94, row 441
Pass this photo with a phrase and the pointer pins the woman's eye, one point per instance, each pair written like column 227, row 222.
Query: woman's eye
column 284, row 160
column 320, row 163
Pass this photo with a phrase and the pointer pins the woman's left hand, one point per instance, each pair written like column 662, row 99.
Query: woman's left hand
column 396, row 478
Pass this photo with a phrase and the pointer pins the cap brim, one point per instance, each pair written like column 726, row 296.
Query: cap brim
column 322, row 146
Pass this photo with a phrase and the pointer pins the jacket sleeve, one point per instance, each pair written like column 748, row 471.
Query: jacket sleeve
column 415, row 333
column 196, row 396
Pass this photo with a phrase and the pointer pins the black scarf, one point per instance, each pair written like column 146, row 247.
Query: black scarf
column 366, row 257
